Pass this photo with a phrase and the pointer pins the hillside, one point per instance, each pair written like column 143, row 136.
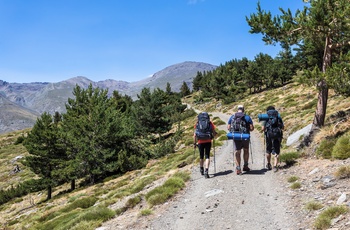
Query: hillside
column 15, row 117
column 36, row 97
column 315, row 175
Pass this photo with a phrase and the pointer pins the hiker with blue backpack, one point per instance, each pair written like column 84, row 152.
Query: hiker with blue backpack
column 203, row 135
column 240, row 125
column 272, row 127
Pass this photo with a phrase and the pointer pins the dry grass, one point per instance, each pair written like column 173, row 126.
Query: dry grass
column 115, row 192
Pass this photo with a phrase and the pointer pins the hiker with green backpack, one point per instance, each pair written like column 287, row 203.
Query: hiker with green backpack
column 203, row 135
column 240, row 125
column 272, row 127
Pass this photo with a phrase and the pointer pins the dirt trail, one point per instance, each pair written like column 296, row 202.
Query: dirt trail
column 251, row 201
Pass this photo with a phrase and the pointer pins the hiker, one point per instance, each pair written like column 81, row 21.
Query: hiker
column 245, row 126
column 273, row 132
column 204, row 133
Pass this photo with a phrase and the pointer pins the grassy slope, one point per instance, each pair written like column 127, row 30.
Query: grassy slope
column 296, row 104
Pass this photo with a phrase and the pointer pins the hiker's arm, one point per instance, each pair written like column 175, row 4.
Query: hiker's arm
column 251, row 127
column 263, row 126
column 194, row 140
column 229, row 123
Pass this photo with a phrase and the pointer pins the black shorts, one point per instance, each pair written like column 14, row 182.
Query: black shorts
column 204, row 149
column 238, row 145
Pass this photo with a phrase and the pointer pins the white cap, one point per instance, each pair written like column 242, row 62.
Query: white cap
column 240, row 107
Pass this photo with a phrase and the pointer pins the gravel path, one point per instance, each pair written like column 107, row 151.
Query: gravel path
column 251, row 201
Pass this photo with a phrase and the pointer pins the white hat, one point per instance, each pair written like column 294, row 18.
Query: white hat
column 240, row 107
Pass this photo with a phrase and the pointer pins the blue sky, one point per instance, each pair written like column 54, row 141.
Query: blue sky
column 54, row 40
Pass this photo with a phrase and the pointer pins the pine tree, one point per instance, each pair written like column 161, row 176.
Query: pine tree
column 185, row 90
column 96, row 131
column 322, row 23
column 47, row 150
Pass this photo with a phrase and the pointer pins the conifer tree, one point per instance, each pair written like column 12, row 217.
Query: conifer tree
column 185, row 90
column 322, row 23
column 47, row 150
column 96, row 131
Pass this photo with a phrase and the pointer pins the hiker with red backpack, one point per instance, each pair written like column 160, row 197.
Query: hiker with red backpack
column 272, row 127
column 203, row 135
column 240, row 125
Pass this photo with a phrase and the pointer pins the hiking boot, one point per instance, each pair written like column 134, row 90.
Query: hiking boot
column 268, row 166
column 238, row 170
column 201, row 170
column 246, row 168
column 206, row 174
column 275, row 168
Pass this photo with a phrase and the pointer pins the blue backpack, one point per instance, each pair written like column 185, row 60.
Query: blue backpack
column 239, row 124
column 204, row 129
column 273, row 125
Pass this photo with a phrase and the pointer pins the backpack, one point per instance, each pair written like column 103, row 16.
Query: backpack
column 273, row 125
column 204, row 129
column 239, row 124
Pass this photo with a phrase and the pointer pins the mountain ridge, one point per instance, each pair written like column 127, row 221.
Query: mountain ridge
column 50, row 97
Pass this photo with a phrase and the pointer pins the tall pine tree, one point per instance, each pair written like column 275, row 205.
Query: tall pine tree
column 322, row 23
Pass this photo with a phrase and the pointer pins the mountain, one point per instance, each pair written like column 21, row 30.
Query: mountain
column 22, row 103
column 15, row 117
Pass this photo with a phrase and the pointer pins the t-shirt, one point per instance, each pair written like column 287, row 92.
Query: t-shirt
column 247, row 118
column 204, row 141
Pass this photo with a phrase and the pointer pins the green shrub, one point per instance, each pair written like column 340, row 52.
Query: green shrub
column 21, row 189
column 295, row 185
column 289, row 158
column 141, row 183
column 324, row 220
column 132, row 202
column 162, row 193
column 72, row 220
column 292, row 179
column 222, row 138
column 145, row 212
column 313, row 205
column 73, row 198
column 164, row 147
column 83, row 203
column 343, row 172
column 19, row 140
column 325, row 148
column 309, row 105
column 341, row 148
column 185, row 176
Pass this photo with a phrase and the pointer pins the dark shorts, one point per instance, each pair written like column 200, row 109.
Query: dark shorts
column 204, row 149
column 273, row 146
column 238, row 145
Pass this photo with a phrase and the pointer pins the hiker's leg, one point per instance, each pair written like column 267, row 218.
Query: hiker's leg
column 238, row 158
column 246, row 152
column 268, row 149
column 201, row 155
column 276, row 159
column 207, row 155
column 268, row 158
column 277, row 147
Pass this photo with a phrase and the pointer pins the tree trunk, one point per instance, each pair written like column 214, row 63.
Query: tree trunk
column 72, row 185
column 321, row 108
column 49, row 192
column 322, row 86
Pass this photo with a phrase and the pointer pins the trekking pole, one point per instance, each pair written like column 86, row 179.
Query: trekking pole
column 264, row 149
column 214, row 156
column 233, row 153
column 194, row 152
column 251, row 150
